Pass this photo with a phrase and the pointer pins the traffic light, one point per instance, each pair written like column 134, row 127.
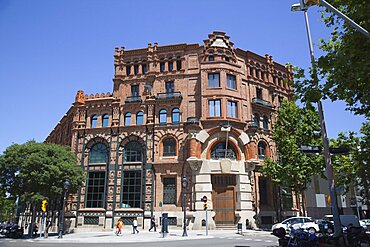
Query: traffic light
column 44, row 204
column 311, row 2
column 205, row 206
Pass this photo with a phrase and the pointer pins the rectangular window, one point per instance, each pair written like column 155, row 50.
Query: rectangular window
column 178, row 65
column 213, row 80
column 287, row 198
column 131, row 189
column 250, row 71
column 214, row 107
column 231, row 81
column 170, row 66
column 262, row 184
column 95, row 190
column 262, row 75
column 231, row 109
column 259, row 93
column 161, row 66
column 134, row 90
column 144, row 68
column 170, row 87
column 128, row 69
column 169, row 190
column 136, row 69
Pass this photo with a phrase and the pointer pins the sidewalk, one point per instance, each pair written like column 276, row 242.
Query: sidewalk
column 143, row 236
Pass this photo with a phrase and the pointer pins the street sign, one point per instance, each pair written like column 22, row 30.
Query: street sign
column 311, row 149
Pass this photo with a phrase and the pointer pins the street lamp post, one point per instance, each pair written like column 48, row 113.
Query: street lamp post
column 184, row 185
column 66, row 185
column 328, row 163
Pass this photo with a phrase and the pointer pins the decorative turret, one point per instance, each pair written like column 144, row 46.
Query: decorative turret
column 80, row 97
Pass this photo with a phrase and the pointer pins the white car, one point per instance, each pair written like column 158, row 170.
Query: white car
column 301, row 222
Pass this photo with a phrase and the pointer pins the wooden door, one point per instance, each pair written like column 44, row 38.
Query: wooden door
column 223, row 197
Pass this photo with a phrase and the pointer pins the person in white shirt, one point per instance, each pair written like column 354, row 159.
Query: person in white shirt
column 134, row 227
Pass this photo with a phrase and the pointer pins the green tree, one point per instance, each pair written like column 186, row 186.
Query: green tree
column 346, row 64
column 354, row 168
column 36, row 171
column 295, row 127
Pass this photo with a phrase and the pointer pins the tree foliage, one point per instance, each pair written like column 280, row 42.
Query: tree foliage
column 346, row 64
column 354, row 169
column 295, row 127
column 35, row 171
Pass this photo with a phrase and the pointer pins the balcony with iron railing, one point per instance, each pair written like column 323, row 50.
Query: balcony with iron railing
column 261, row 102
column 169, row 96
column 133, row 99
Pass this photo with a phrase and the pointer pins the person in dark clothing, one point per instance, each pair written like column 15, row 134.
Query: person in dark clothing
column 152, row 224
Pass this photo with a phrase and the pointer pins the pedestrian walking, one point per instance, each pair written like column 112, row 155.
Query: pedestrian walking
column 134, row 227
column 47, row 227
column 152, row 224
column 119, row 227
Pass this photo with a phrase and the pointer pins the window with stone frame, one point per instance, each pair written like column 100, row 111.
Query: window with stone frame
column 178, row 64
column 170, row 66
column 128, row 69
column 162, row 66
column 259, row 93
column 169, row 147
column 133, row 152
column 139, row 118
column 144, row 68
column 98, row 154
column 175, row 116
column 127, row 120
column 263, row 193
column 169, row 190
column 223, row 150
column 134, row 90
column 95, row 189
column 261, row 150
column 131, row 188
column 105, row 120
column 214, row 80
column 94, row 121
column 163, row 117
column 231, row 81
column 214, row 108
column 136, row 69
column 232, row 108
column 265, row 123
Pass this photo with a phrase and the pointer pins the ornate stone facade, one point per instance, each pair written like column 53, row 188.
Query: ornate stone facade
column 200, row 111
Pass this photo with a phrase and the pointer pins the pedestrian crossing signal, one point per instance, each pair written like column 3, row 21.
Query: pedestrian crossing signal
column 205, row 206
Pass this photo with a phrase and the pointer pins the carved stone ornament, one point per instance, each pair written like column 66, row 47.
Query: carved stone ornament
column 225, row 165
column 194, row 163
column 250, row 165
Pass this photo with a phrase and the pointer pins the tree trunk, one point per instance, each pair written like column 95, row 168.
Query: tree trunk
column 304, row 203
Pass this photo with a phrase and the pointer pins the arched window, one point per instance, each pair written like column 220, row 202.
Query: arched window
column 220, row 151
column 162, row 116
column 256, row 120
column 175, row 116
column 98, row 154
column 133, row 152
column 169, row 147
column 261, row 150
column 265, row 123
column 94, row 121
column 105, row 120
column 139, row 118
column 127, row 119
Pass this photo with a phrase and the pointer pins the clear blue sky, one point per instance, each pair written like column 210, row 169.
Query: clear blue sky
column 50, row 49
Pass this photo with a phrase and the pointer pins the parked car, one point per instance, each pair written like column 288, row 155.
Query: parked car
column 347, row 220
column 365, row 222
column 302, row 222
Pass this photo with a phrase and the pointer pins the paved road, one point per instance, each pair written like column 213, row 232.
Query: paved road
column 214, row 239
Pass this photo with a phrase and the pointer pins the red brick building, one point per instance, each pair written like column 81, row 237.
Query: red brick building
column 200, row 111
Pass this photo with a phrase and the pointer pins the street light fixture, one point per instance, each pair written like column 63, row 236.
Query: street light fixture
column 184, row 182
column 328, row 163
column 66, row 186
